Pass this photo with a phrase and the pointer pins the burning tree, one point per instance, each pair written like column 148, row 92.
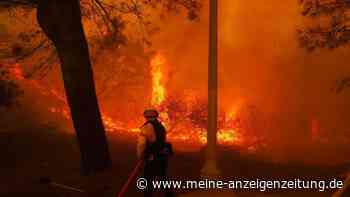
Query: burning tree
column 331, row 31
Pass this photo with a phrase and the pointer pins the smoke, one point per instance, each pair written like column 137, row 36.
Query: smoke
column 261, row 64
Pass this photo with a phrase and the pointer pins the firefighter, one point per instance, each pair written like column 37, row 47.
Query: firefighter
column 154, row 149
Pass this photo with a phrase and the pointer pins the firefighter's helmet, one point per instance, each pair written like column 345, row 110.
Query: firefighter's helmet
column 150, row 113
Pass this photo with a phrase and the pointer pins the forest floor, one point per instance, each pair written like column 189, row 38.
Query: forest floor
column 29, row 154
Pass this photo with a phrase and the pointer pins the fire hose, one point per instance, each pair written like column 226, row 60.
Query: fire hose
column 168, row 150
column 131, row 177
column 47, row 180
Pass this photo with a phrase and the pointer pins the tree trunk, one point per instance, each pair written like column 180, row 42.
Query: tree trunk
column 61, row 22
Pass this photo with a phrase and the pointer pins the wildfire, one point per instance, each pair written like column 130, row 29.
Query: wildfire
column 185, row 121
column 158, row 90
column 181, row 130
column 187, row 132
column 228, row 136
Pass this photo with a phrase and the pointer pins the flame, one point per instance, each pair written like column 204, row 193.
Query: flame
column 186, row 131
column 158, row 90
column 228, row 135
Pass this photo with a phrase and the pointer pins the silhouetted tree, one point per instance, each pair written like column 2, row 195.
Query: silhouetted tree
column 332, row 30
column 61, row 22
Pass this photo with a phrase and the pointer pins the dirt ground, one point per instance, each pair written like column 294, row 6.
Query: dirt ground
column 28, row 155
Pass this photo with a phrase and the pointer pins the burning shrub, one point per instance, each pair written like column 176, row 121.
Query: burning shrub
column 199, row 115
column 187, row 119
column 185, row 111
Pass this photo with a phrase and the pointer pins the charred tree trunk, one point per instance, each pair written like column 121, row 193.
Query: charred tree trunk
column 61, row 22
